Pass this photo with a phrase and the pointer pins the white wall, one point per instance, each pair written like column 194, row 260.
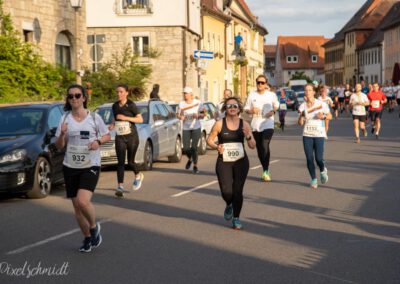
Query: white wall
column 108, row 13
column 373, row 68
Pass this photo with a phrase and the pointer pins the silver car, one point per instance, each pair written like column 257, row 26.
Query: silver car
column 159, row 134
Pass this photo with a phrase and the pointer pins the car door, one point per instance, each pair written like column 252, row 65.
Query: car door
column 209, row 120
column 159, row 131
column 173, row 127
column 56, row 155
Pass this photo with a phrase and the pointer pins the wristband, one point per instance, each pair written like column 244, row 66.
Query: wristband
column 98, row 142
column 248, row 138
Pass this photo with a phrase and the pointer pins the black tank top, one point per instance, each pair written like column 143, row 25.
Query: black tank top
column 231, row 136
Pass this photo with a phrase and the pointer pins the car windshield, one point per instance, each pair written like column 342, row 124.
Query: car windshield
column 298, row 88
column 20, row 121
column 107, row 114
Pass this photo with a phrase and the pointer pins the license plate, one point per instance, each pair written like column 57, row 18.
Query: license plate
column 104, row 154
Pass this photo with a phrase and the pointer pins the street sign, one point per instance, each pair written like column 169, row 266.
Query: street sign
column 202, row 54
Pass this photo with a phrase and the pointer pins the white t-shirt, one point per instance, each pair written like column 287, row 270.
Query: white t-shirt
column 388, row 91
column 341, row 92
column 190, row 122
column 82, row 133
column 221, row 114
column 398, row 92
column 327, row 100
column 314, row 127
column 266, row 102
column 359, row 98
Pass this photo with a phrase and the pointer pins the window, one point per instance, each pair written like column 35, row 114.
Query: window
column 96, row 50
column 54, row 117
column 135, row 4
column 292, row 59
column 28, row 36
column 63, row 50
column 141, row 46
column 314, row 58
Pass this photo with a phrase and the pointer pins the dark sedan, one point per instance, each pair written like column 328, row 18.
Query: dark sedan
column 30, row 163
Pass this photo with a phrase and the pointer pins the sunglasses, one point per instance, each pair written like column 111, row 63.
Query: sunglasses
column 228, row 106
column 261, row 83
column 76, row 96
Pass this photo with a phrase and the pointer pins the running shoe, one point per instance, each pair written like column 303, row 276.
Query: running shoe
column 228, row 213
column 196, row 170
column 377, row 135
column 96, row 238
column 120, row 191
column 314, row 183
column 137, row 183
column 357, row 140
column 266, row 176
column 188, row 164
column 324, row 175
column 87, row 245
column 236, row 224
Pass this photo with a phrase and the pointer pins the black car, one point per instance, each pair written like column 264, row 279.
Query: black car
column 30, row 163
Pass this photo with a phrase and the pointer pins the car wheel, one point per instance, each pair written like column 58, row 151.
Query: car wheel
column 202, row 147
column 148, row 157
column 42, row 179
column 177, row 156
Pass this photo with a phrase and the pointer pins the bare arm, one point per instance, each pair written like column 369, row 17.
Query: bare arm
column 214, row 132
column 136, row 119
column 249, row 135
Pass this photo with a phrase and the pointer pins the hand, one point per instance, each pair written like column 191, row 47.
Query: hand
column 195, row 115
column 64, row 128
column 269, row 114
column 256, row 111
column 111, row 126
column 220, row 148
column 94, row 145
column 320, row 115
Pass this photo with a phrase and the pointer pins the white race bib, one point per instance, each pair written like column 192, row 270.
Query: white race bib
column 233, row 152
column 78, row 157
column 314, row 128
column 283, row 107
column 375, row 104
column 189, row 116
column 122, row 127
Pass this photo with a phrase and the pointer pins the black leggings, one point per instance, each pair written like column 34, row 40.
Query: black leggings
column 190, row 142
column 231, row 179
column 262, row 143
column 123, row 144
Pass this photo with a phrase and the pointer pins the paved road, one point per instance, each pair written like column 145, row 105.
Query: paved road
column 172, row 231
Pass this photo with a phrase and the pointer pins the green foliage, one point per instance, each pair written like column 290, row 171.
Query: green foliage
column 24, row 75
column 122, row 68
column 301, row 76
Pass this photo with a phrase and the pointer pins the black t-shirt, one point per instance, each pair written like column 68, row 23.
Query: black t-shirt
column 128, row 109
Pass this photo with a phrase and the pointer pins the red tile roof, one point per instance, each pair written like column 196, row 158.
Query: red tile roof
column 270, row 50
column 211, row 7
column 252, row 18
column 304, row 47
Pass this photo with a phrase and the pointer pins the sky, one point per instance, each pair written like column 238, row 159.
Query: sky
column 303, row 17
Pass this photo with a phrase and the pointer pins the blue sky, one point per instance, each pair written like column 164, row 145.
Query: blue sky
column 303, row 17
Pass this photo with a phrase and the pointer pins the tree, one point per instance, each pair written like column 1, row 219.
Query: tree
column 301, row 76
column 24, row 75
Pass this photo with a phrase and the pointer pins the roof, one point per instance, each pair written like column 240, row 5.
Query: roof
column 210, row 6
column 367, row 17
column 376, row 38
column 270, row 50
column 303, row 47
column 394, row 19
column 252, row 19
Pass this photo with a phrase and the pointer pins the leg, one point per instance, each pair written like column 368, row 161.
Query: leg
column 132, row 146
column 196, row 135
column 308, row 144
column 258, row 138
column 225, row 180
column 266, row 140
column 356, row 123
column 120, row 148
column 84, row 211
column 319, row 152
column 240, row 171
column 186, row 143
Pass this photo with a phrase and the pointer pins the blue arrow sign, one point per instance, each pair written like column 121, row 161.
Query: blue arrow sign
column 202, row 54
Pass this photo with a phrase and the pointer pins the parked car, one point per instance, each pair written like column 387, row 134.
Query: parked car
column 291, row 99
column 30, row 163
column 206, row 124
column 159, row 134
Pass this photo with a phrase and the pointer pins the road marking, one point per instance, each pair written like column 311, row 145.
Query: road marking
column 211, row 183
column 25, row 248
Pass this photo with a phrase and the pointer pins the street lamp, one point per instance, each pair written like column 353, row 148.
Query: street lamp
column 77, row 4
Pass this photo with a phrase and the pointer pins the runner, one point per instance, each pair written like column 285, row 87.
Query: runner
column 262, row 104
column 190, row 110
column 326, row 99
column 387, row 91
column 282, row 109
column 312, row 115
column 126, row 115
column 398, row 97
column 358, row 102
column 347, row 94
column 227, row 94
column 391, row 97
column 377, row 99
column 341, row 90
column 82, row 132
column 232, row 164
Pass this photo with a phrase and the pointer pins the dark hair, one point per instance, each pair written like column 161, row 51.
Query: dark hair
column 154, row 92
column 239, row 102
column 125, row 86
column 262, row 76
column 67, row 106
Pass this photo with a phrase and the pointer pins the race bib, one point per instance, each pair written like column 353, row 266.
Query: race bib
column 375, row 104
column 314, row 128
column 283, row 107
column 233, row 152
column 78, row 157
column 189, row 117
column 122, row 127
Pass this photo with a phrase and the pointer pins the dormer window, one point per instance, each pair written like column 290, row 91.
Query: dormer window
column 292, row 59
column 314, row 58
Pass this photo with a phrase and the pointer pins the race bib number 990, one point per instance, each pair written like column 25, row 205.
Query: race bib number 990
column 78, row 157
column 233, row 152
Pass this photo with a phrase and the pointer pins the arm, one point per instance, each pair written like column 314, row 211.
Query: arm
column 249, row 135
column 211, row 138
column 136, row 119
column 62, row 139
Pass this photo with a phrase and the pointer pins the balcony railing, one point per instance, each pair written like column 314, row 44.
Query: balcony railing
column 136, row 7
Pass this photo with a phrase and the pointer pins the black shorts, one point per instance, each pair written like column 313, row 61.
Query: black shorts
column 341, row 100
column 346, row 101
column 390, row 99
column 374, row 114
column 361, row 118
column 76, row 179
column 398, row 101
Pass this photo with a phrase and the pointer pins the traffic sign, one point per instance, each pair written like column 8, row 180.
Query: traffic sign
column 202, row 54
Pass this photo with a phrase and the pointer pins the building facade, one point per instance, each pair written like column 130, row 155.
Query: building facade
column 269, row 63
column 148, row 28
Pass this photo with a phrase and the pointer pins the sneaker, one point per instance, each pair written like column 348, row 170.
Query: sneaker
column 137, row 183
column 96, row 238
column 236, row 224
column 87, row 245
column 195, row 170
column 314, row 183
column 357, row 140
column 365, row 132
column 266, row 176
column 188, row 164
column 119, row 192
column 377, row 135
column 228, row 213
column 324, row 175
